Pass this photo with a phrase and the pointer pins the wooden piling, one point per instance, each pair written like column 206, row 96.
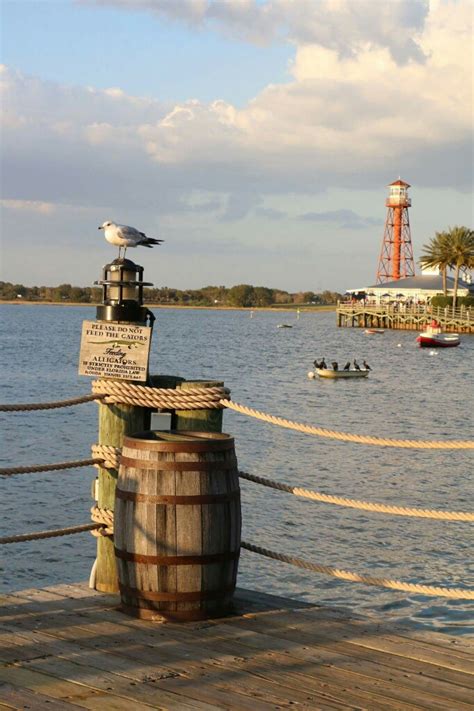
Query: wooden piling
column 198, row 420
column 115, row 421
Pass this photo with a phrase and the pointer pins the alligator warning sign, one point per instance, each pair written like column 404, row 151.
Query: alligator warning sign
column 114, row 350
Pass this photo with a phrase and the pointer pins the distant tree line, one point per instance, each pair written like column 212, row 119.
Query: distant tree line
column 241, row 295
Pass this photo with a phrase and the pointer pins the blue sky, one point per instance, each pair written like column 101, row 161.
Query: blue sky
column 256, row 138
column 70, row 43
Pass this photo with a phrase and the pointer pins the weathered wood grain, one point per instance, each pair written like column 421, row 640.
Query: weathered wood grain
column 179, row 502
column 74, row 647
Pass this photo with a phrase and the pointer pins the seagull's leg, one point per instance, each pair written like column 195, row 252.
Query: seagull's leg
column 124, row 252
column 120, row 249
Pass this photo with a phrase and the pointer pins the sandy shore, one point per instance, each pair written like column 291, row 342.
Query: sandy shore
column 290, row 309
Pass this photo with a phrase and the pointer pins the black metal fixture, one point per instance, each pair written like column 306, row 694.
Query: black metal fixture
column 122, row 293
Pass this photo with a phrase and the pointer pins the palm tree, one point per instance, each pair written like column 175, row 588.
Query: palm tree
column 437, row 254
column 461, row 251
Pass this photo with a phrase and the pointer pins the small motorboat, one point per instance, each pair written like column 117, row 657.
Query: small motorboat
column 329, row 373
column 432, row 337
column 284, row 325
column 371, row 331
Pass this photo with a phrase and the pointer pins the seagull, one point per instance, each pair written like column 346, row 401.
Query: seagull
column 124, row 236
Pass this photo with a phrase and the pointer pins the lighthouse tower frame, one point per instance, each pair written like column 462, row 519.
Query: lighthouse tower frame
column 396, row 256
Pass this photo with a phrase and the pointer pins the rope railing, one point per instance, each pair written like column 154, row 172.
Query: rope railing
column 120, row 392
column 347, row 437
column 362, row 505
column 25, row 407
column 33, row 468
column 108, row 457
column 431, row 590
column 419, row 589
column 113, row 391
column 37, row 535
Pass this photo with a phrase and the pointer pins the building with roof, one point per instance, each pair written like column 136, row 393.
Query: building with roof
column 414, row 289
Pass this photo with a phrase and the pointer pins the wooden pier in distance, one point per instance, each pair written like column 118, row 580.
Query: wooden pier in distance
column 402, row 317
column 68, row 647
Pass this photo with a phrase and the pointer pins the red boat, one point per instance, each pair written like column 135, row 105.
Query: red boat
column 433, row 338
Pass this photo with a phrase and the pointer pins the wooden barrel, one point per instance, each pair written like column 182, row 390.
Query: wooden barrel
column 177, row 524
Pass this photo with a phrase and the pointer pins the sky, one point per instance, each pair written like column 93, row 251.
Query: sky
column 256, row 137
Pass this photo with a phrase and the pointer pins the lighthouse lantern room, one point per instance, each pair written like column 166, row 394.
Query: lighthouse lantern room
column 396, row 256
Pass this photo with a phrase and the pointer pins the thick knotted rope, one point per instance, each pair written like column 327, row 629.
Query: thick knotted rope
column 162, row 398
column 453, row 593
column 114, row 391
column 344, row 436
column 106, row 456
column 363, row 505
column 105, row 517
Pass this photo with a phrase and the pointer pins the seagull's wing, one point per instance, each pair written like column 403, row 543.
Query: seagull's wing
column 128, row 232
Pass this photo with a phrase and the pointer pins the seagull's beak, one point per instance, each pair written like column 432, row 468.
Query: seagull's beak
column 100, row 228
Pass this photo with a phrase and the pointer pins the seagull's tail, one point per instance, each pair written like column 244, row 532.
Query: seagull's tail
column 150, row 241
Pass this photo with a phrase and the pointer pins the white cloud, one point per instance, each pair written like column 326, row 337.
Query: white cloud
column 339, row 118
column 43, row 208
column 342, row 25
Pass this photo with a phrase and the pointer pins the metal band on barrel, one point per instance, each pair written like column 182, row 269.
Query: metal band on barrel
column 177, row 500
column 193, row 596
column 177, row 559
column 179, row 466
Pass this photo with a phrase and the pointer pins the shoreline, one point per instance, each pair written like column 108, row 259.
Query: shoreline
column 289, row 309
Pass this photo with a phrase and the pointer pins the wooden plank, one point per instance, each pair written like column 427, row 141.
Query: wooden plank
column 208, row 693
column 227, row 638
column 295, row 683
column 13, row 697
column 137, row 669
column 67, row 691
column 281, row 655
column 227, row 692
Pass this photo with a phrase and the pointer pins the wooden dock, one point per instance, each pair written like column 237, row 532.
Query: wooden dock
column 67, row 647
column 404, row 318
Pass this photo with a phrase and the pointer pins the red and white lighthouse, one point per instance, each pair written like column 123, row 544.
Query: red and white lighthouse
column 396, row 256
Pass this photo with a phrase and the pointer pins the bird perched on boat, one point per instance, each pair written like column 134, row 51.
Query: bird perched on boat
column 316, row 364
column 356, row 365
column 123, row 236
column 335, row 365
column 347, row 365
column 366, row 365
column 323, row 365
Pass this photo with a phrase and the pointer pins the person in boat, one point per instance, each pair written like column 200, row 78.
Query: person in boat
column 335, row 365
column 356, row 365
column 366, row 365
column 347, row 365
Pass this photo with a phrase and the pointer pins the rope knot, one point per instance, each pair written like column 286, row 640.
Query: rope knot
column 105, row 517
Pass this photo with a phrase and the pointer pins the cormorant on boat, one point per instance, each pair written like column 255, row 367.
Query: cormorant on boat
column 356, row 365
column 347, row 365
column 335, row 365
column 366, row 365
column 322, row 365
column 316, row 364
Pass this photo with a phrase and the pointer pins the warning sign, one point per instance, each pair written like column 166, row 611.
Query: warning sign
column 115, row 350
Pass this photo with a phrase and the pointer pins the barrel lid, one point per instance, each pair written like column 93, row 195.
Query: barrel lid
column 179, row 441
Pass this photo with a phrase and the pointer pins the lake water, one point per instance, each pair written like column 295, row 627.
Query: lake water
column 410, row 393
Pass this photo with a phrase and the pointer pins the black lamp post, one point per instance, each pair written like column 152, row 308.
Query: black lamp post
column 122, row 293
